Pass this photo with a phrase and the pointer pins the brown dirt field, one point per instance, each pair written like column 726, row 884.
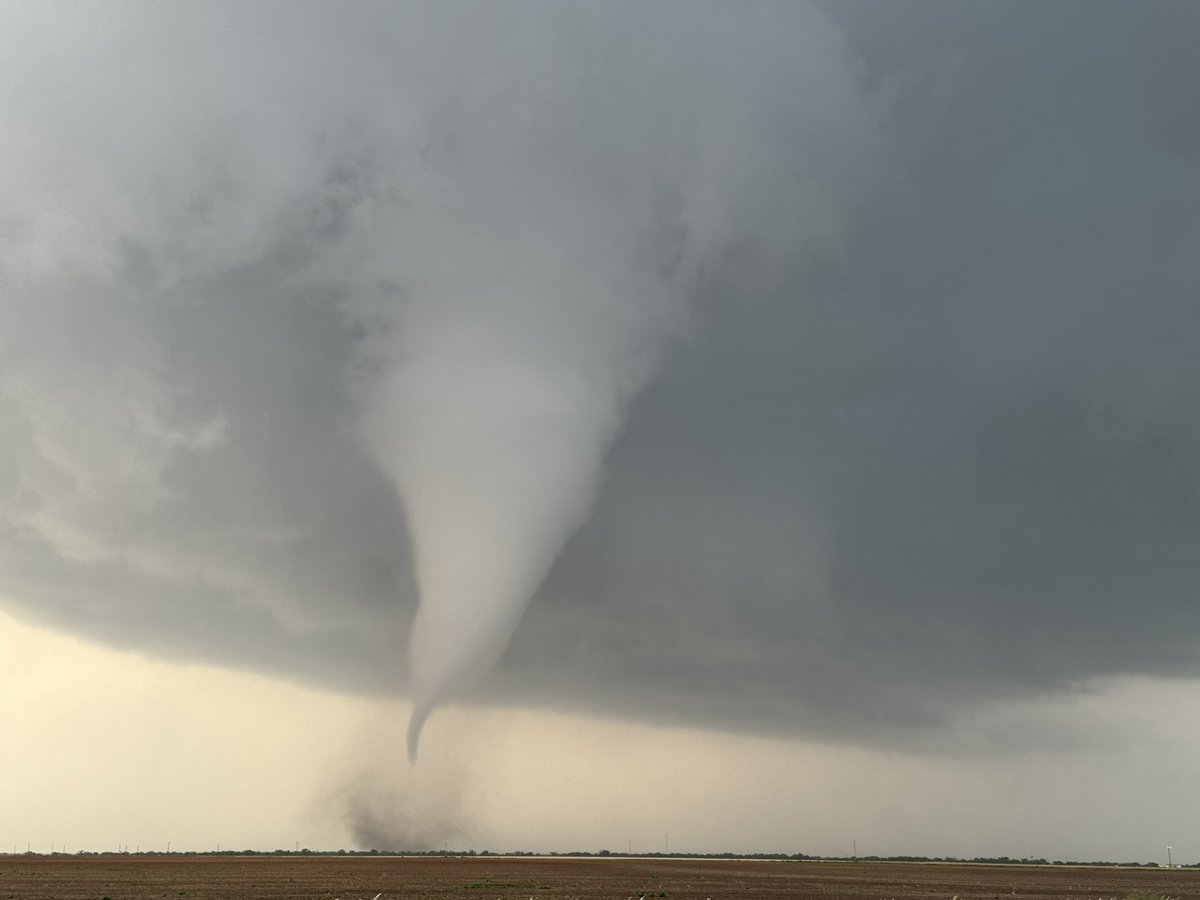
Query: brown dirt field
column 486, row 878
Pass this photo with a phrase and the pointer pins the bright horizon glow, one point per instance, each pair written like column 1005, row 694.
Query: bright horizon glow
column 117, row 749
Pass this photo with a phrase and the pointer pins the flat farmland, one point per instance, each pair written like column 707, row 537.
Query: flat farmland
column 350, row 878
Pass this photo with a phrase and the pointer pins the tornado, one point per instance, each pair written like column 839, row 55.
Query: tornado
column 561, row 209
column 495, row 439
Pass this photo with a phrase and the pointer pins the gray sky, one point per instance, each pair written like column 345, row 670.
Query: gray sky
column 826, row 373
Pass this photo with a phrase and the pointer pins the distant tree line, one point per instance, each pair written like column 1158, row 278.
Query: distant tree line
column 980, row 860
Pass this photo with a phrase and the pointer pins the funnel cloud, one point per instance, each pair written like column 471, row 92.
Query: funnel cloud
column 539, row 287
column 813, row 369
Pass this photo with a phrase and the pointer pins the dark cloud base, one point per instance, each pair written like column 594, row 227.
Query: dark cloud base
column 949, row 461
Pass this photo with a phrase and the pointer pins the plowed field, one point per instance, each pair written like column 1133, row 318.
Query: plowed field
column 486, row 878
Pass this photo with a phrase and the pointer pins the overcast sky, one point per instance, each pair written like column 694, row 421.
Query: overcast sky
column 791, row 388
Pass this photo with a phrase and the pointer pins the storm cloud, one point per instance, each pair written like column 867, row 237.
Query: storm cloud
column 877, row 322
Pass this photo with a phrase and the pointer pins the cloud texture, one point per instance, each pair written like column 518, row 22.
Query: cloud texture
column 821, row 369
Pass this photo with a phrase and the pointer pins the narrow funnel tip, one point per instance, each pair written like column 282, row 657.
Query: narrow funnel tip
column 415, row 723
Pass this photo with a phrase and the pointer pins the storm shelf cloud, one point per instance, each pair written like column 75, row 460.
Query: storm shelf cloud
column 805, row 368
